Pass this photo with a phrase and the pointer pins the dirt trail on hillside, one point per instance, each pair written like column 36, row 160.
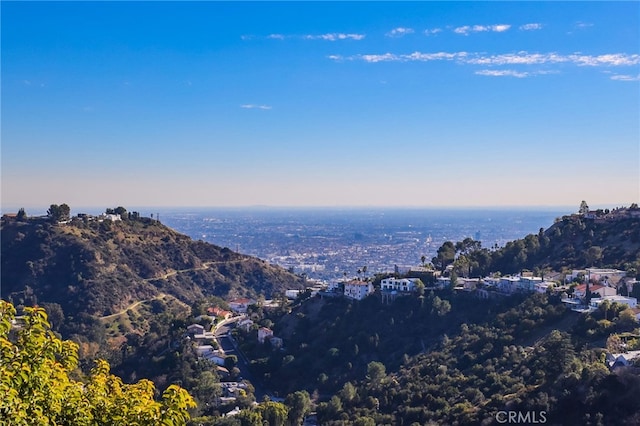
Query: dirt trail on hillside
column 138, row 303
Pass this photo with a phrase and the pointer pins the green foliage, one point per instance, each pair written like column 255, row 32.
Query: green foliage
column 274, row 413
column 299, row 404
column 37, row 388
column 59, row 213
column 485, row 367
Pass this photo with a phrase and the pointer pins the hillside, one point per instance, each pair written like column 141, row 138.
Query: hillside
column 94, row 268
column 573, row 242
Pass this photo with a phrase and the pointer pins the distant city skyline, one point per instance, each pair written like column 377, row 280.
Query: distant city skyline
column 423, row 104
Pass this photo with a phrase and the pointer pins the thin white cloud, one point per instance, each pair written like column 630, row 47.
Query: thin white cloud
column 327, row 36
column 468, row 29
column 526, row 58
column 500, row 28
column 254, row 106
column 519, row 59
column 432, row 31
column 611, row 59
column 503, row 73
column 624, row 77
column 400, row 32
column 583, row 25
column 411, row 57
column 530, row 27
column 334, row 36
column 385, row 57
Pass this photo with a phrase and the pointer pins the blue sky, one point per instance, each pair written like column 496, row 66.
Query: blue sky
column 320, row 104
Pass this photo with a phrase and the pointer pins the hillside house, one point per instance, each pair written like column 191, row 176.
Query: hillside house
column 528, row 283
column 241, row 304
column 403, row 285
column 508, row 285
column 631, row 302
column 357, row 290
column 245, row 324
column 597, row 275
column 543, row 286
column 219, row 312
column 264, row 333
column 621, row 360
column 441, row 283
column 468, row 284
column 194, row 329
column 292, row 294
column 596, row 290
column 110, row 217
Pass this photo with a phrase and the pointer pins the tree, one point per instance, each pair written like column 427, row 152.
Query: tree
column 299, row 404
column 593, row 255
column 446, row 255
column 22, row 215
column 37, row 389
column 274, row 413
column 376, row 371
column 59, row 213
column 230, row 361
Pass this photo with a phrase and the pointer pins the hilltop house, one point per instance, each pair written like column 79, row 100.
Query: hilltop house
column 404, row 285
column 357, row 290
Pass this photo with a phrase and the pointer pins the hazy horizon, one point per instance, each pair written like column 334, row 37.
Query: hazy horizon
column 147, row 210
column 434, row 104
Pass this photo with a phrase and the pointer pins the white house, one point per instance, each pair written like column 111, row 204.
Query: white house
column 508, row 284
column 491, row 282
column 357, row 290
column 241, row 304
column 631, row 302
column 217, row 357
column 543, row 286
column 528, row 283
column 292, row 294
column 203, row 350
column 245, row 324
column 398, row 284
column 264, row 333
